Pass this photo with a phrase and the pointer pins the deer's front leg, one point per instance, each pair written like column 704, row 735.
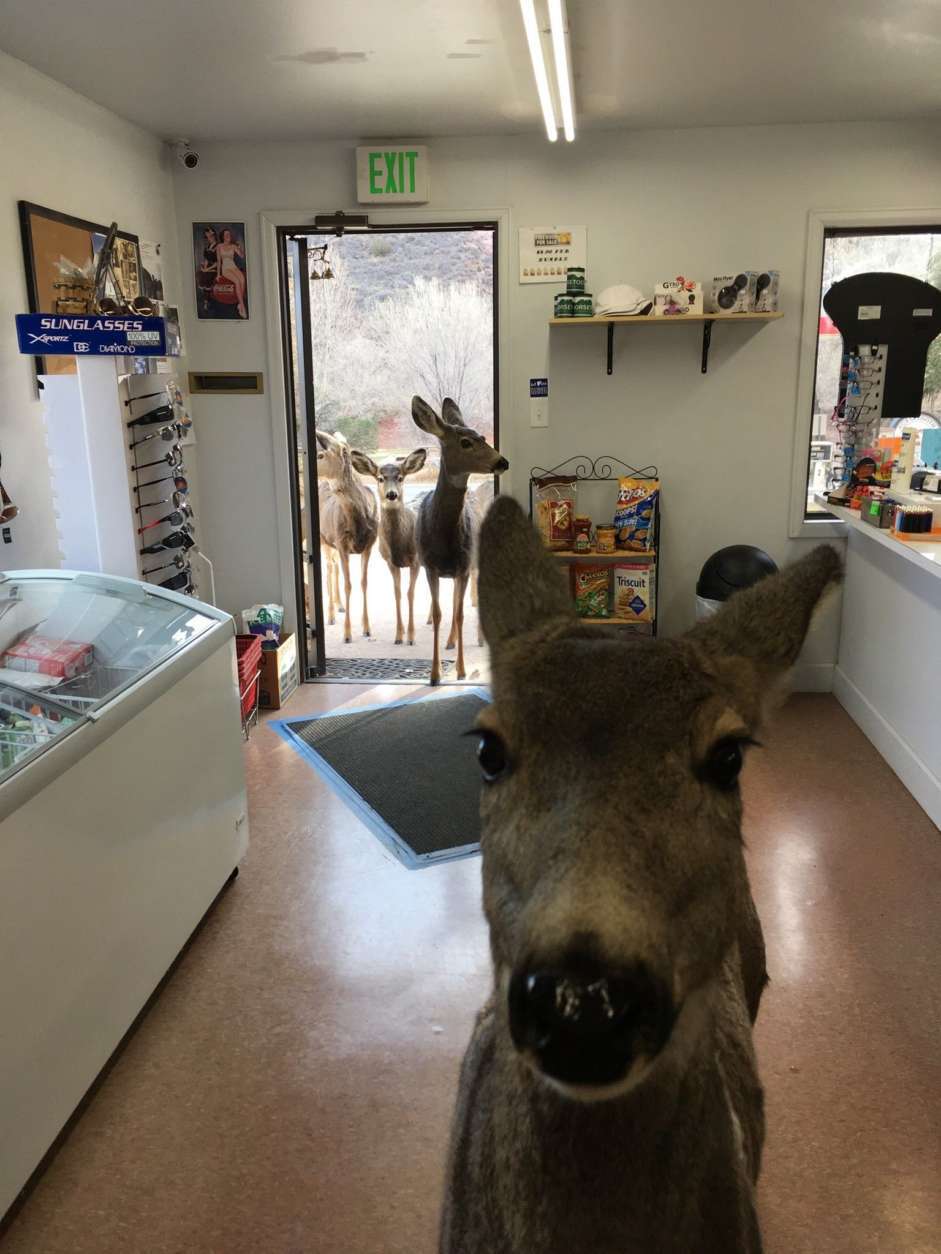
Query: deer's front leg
column 413, row 579
column 347, row 628
column 433, row 583
column 328, row 563
column 365, row 571
column 452, row 634
column 460, row 583
column 397, row 592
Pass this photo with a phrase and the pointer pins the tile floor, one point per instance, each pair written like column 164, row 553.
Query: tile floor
column 290, row 1091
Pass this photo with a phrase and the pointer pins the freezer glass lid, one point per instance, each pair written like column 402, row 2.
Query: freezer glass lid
column 78, row 640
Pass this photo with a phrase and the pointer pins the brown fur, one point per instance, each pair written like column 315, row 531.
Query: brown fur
column 447, row 520
column 606, row 825
column 348, row 523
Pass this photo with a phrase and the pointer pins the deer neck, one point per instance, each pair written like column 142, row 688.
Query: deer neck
column 450, row 491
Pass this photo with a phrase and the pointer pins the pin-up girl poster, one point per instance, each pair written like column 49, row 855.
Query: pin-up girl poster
column 221, row 272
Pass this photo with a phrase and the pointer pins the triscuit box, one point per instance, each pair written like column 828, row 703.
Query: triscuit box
column 733, row 293
column 278, row 673
column 634, row 592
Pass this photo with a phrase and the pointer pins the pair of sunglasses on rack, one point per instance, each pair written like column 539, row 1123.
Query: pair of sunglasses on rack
column 177, row 499
column 174, row 540
column 175, row 518
column 173, row 459
column 163, row 413
column 179, row 483
column 177, row 563
column 170, row 392
column 173, row 431
column 183, row 582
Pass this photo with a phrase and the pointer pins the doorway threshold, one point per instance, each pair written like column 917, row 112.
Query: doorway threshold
column 383, row 670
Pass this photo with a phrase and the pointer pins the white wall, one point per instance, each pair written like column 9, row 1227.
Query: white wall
column 61, row 151
column 656, row 204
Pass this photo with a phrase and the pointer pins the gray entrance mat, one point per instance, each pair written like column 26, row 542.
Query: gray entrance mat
column 407, row 769
column 382, row 668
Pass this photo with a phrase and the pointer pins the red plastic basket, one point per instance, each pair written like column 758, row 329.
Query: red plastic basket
column 248, row 652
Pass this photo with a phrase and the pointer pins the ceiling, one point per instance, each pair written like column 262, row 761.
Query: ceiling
column 345, row 69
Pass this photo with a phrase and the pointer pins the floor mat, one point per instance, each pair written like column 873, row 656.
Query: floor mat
column 407, row 770
column 382, row 668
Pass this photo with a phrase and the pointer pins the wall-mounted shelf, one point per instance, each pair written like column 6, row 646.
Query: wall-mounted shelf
column 669, row 320
column 625, row 557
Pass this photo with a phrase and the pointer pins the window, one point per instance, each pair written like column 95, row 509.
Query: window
column 834, row 440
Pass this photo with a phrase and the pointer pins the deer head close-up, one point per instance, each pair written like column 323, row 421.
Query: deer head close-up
column 609, row 1099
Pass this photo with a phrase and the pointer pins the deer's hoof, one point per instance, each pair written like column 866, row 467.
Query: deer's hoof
column 435, row 681
column 398, row 640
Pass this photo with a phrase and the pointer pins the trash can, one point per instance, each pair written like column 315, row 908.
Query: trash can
column 736, row 566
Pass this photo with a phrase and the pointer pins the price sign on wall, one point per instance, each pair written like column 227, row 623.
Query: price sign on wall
column 547, row 251
column 393, row 175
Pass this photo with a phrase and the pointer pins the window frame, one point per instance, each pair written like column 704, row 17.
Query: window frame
column 818, row 222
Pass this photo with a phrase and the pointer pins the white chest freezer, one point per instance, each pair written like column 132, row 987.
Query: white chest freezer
column 122, row 817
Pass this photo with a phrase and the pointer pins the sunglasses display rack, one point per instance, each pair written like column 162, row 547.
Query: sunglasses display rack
column 158, row 438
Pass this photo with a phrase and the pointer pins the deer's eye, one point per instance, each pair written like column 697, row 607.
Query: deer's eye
column 492, row 756
column 723, row 764
column 466, row 443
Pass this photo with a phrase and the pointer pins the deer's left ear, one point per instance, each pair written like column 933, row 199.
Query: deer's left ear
column 767, row 623
column 451, row 413
column 521, row 587
column 365, row 465
column 414, row 461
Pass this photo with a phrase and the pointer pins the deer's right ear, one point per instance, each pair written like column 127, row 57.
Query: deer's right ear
column 520, row 585
column 414, row 461
column 322, row 441
column 365, row 465
column 767, row 622
column 425, row 417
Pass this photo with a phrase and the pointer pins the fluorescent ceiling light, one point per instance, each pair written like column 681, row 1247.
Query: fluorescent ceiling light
column 558, row 24
column 534, row 40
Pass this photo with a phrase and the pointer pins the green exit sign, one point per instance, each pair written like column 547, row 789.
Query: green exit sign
column 392, row 175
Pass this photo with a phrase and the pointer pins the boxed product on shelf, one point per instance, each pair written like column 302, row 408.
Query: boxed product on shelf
column 676, row 297
column 733, row 293
column 635, row 592
column 766, row 291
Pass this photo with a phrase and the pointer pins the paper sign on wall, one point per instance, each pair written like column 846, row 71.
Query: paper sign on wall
column 546, row 252
column 393, row 174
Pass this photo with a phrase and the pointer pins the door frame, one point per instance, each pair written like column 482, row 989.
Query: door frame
column 275, row 223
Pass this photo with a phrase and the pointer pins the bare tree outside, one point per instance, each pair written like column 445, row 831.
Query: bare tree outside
column 404, row 313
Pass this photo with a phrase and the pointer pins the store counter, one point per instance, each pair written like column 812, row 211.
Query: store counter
column 890, row 651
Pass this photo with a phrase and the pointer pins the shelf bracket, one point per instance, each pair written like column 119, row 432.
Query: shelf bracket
column 706, row 344
column 610, row 348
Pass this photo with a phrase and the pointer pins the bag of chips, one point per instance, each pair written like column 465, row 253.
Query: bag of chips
column 555, row 498
column 592, row 589
column 635, row 513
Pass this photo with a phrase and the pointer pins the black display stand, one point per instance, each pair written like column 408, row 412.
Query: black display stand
column 605, row 470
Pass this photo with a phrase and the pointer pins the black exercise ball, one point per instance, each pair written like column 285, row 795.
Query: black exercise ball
column 731, row 568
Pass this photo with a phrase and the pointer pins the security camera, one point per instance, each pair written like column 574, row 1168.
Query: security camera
column 187, row 157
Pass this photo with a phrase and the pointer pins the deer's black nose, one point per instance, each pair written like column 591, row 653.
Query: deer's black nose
column 501, row 465
column 585, row 1024
column 391, row 495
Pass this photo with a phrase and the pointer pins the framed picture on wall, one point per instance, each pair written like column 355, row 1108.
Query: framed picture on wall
column 220, row 270
column 60, row 254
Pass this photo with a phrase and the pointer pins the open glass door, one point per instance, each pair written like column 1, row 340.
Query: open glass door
column 372, row 317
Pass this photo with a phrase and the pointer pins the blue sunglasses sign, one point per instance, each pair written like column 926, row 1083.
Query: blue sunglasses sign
column 79, row 335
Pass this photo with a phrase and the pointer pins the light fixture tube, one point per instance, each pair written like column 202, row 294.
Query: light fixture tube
column 558, row 25
column 528, row 9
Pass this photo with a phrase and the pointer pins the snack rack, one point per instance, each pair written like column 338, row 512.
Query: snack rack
column 600, row 470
